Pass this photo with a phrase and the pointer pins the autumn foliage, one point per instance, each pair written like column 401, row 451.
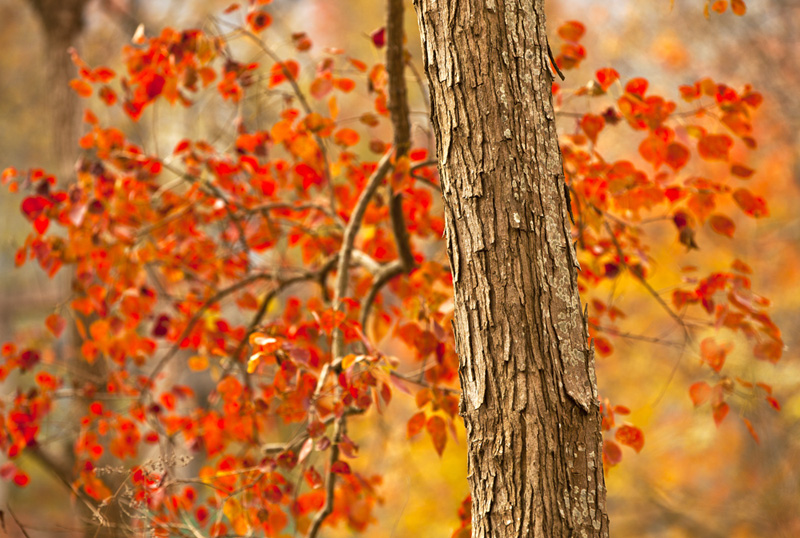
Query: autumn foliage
column 206, row 282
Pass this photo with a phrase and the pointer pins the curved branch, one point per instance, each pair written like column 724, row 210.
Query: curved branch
column 346, row 251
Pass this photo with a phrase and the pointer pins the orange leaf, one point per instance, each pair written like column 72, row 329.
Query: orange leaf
column 346, row 137
column 713, row 353
column 592, row 125
column 415, row 424
column 714, row 147
column 358, row 64
column 437, row 430
column 699, row 392
column 571, row 31
column 344, row 84
column 739, row 265
column 720, row 6
column 720, row 412
column 722, row 225
column 739, row 8
column 677, row 156
column 258, row 20
column 769, row 350
column 751, row 430
column 81, row 87
column 741, row 171
column 752, row 205
column 612, row 453
column 321, row 86
column 55, row 324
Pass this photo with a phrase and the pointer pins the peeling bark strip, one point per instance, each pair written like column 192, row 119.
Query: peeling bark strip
column 530, row 399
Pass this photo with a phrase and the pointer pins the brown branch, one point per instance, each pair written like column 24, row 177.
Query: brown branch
column 418, row 380
column 17, row 521
column 330, row 478
column 398, row 110
column 633, row 336
column 63, row 476
column 346, row 251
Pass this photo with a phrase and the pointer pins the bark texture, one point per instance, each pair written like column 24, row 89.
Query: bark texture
column 530, row 398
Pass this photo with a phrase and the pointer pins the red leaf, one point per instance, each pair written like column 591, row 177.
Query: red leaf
column 752, row 205
column 438, row 431
column 606, row 77
column 415, row 424
column 714, row 147
column 630, row 436
column 154, row 86
column 774, row 403
column 279, row 72
column 41, row 223
column 603, row 346
column 379, row 37
column 699, row 392
column 612, row 453
column 571, row 31
column 21, row 479
column 340, row 467
column 720, row 412
column 722, row 225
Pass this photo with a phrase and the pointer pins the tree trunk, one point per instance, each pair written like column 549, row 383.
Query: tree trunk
column 529, row 392
column 62, row 24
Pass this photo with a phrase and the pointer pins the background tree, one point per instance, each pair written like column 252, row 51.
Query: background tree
column 183, row 248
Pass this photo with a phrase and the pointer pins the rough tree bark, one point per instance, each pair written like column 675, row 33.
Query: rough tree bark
column 530, row 398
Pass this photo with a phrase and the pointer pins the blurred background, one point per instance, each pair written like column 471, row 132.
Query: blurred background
column 691, row 479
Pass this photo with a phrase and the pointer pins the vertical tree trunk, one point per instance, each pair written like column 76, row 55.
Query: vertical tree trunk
column 530, row 398
column 62, row 24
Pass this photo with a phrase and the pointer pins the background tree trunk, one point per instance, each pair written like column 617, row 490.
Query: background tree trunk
column 62, row 23
column 530, row 398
